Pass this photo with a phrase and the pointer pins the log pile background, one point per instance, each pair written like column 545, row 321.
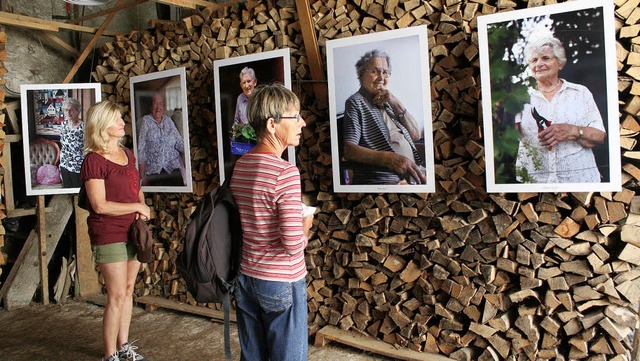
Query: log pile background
column 460, row 272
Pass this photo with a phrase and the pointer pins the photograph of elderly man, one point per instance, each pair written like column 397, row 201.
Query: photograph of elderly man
column 248, row 82
column 160, row 148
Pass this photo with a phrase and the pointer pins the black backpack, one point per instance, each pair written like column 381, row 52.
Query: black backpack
column 210, row 259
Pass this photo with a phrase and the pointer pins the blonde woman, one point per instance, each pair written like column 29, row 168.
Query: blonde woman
column 115, row 200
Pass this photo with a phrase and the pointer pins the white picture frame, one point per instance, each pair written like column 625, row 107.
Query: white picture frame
column 593, row 21
column 409, row 82
column 269, row 67
column 172, row 85
column 43, row 114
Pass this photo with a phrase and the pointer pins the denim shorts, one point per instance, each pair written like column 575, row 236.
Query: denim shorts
column 114, row 252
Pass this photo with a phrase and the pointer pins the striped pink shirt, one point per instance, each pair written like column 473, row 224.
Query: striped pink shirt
column 267, row 191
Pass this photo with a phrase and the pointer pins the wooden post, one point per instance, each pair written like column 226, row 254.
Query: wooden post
column 313, row 54
column 88, row 283
column 8, row 172
column 92, row 42
column 42, row 250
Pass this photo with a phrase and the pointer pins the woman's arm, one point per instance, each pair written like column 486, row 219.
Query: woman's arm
column 407, row 120
column 560, row 132
column 400, row 165
column 97, row 197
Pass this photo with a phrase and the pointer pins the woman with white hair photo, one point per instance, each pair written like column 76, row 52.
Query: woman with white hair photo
column 560, row 125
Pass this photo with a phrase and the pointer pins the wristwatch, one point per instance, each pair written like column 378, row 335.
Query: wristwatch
column 580, row 132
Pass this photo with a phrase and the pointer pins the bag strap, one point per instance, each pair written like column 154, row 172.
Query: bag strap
column 226, row 300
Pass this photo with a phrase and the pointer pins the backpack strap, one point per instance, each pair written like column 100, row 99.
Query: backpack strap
column 226, row 301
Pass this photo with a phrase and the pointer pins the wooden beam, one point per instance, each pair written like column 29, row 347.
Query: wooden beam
column 91, row 44
column 42, row 24
column 61, row 44
column 87, row 276
column 179, row 3
column 313, row 53
column 42, row 251
column 153, row 302
column 106, row 12
column 361, row 342
column 8, row 169
column 215, row 6
column 27, row 24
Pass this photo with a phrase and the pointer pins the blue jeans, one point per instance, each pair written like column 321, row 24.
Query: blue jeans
column 272, row 319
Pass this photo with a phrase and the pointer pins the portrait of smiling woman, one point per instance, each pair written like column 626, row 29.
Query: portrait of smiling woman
column 550, row 99
column 560, row 125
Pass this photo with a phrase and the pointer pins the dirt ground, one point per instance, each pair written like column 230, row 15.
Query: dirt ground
column 72, row 332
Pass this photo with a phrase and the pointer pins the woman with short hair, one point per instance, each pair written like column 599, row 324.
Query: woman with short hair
column 271, row 296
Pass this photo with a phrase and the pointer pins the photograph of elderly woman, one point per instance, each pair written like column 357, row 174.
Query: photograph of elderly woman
column 550, row 103
column 381, row 121
column 53, row 133
column 161, row 130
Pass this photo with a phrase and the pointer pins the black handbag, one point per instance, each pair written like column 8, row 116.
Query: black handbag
column 83, row 202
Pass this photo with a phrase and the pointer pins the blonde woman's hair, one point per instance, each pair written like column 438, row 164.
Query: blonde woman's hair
column 99, row 117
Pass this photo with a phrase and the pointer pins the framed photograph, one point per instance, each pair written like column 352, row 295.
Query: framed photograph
column 53, row 135
column 550, row 98
column 380, row 112
column 160, row 123
column 235, row 79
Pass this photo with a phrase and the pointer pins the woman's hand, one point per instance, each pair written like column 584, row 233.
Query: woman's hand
column 560, row 132
column 556, row 133
column 143, row 212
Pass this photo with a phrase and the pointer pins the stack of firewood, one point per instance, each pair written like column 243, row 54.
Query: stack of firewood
column 460, row 272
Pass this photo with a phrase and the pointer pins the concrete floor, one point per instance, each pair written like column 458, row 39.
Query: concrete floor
column 72, row 332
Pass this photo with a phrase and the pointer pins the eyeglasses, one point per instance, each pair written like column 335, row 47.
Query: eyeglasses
column 379, row 72
column 297, row 117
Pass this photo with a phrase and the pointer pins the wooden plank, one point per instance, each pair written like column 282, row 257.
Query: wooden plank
column 216, row 315
column 91, row 44
column 42, row 250
column 28, row 24
column 8, row 177
column 21, row 212
column 17, row 265
column 361, row 342
column 42, row 24
column 61, row 44
column 87, row 276
column 26, row 279
column 11, row 108
column 179, row 3
column 313, row 53
column 214, row 6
